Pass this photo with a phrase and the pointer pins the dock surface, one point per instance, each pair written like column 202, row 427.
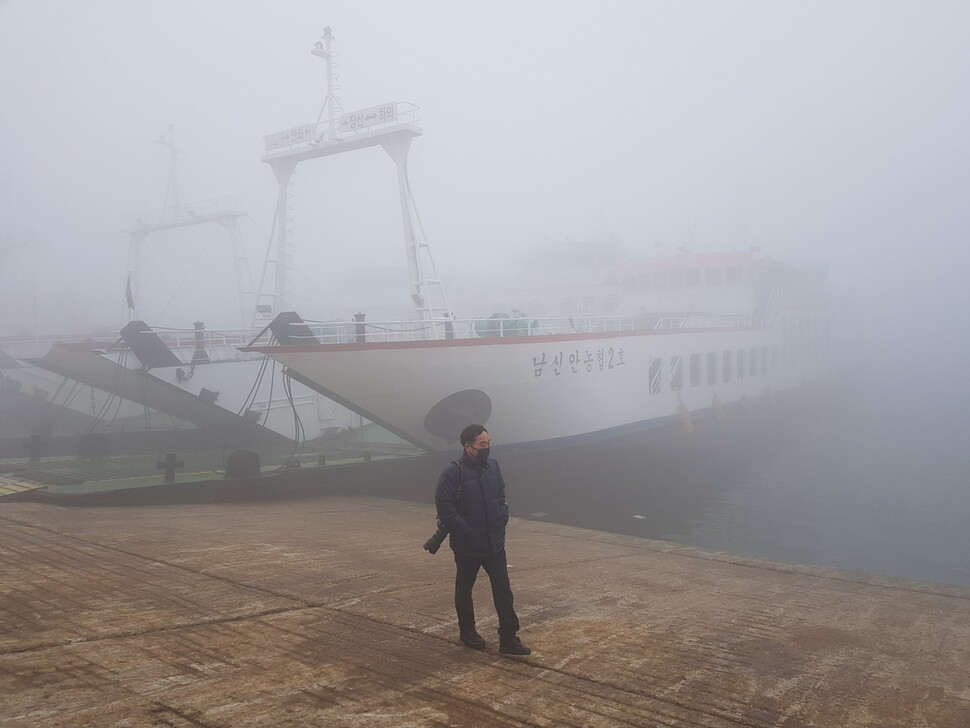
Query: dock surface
column 326, row 612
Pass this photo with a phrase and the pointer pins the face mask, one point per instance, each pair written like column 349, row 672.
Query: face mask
column 481, row 454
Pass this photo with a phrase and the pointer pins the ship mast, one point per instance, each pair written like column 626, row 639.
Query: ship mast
column 176, row 214
column 172, row 188
column 391, row 126
column 324, row 49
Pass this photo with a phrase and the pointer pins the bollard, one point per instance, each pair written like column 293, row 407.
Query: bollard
column 33, row 447
column 360, row 328
column 169, row 464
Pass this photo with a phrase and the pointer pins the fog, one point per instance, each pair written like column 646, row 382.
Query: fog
column 813, row 131
column 816, row 131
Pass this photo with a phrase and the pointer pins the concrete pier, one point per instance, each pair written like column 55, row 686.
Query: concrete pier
column 326, row 612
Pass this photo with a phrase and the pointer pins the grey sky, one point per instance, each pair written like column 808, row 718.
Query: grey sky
column 816, row 130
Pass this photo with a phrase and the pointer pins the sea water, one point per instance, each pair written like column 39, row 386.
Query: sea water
column 869, row 479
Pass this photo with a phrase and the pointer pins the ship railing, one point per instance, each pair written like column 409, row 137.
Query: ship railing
column 341, row 332
column 201, row 210
column 224, row 344
column 320, row 132
column 219, row 345
column 496, row 326
column 185, row 338
column 713, row 321
column 404, row 113
column 25, row 346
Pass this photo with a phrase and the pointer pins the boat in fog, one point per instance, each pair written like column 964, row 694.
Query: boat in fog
column 641, row 344
column 687, row 334
column 143, row 390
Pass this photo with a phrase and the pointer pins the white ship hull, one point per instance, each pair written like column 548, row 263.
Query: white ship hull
column 532, row 390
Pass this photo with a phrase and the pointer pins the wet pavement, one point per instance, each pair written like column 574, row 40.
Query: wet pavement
column 325, row 611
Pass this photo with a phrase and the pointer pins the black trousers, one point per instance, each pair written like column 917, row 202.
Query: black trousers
column 498, row 574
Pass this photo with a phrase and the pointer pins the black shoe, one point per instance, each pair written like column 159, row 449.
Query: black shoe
column 513, row 646
column 473, row 640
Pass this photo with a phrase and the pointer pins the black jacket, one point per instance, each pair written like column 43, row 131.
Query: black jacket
column 475, row 518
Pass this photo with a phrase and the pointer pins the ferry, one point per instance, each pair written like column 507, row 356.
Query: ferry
column 693, row 333
column 651, row 341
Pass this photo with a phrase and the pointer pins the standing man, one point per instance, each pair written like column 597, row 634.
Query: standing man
column 470, row 498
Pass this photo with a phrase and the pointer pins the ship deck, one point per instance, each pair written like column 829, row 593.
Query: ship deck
column 325, row 611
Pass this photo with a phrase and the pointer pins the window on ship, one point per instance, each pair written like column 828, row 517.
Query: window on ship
column 753, row 358
column 740, row 363
column 726, row 367
column 713, row 276
column 655, row 372
column 695, row 370
column 676, row 374
column 711, row 368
